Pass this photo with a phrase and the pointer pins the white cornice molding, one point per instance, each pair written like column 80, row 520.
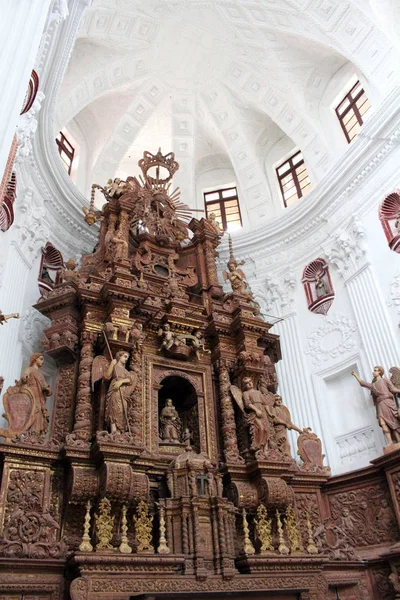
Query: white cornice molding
column 304, row 225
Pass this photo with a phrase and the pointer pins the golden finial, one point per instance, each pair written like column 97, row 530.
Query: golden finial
column 162, row 546
column 248, row 546
column 282, row 548
column 124, row 547
column 104, row 525
column 143, row 528
column 311, row 547
column 293, row 531
column 264, row 529
column 85, row 545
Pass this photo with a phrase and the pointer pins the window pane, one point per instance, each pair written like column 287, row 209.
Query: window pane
column 211, row 196
column 293, row 175
column 297, row 158
column 229, row 193
column 351, row 109
column 225, row 206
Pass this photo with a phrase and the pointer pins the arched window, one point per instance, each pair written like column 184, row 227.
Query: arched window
column 50, row 266
column 224, row 203
column 293, row 179
column 389, row 215
column 351, row 111
column 318, row 286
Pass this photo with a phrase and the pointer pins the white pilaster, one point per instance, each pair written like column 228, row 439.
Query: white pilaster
column 21, row 29
column 298, row 395
column 347, row 252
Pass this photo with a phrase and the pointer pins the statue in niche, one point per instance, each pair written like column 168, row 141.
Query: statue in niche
column 171, row 426
column 255, row 403
column 120, row 245
column 25, row 402
column 281, row 420
column 40, row 390
column 382, row 392
column 321, row 287
column 122, row 386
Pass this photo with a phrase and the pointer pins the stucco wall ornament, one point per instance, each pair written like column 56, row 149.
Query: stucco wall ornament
column 26, row 129
column 346, row 250
column 31, row 328
column 30, row 230
column 394, row 293
column 331, row 339
column 276, row 296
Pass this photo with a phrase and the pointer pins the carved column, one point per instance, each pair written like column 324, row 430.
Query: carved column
column 83, row 423
column 229, row 436
column 64, row 402
column 346, row 250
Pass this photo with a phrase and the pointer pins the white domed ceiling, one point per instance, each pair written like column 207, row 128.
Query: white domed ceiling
column 231, row 87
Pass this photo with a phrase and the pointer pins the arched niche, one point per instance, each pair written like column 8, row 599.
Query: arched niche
column 50, row 268
column 318, row 286
column 389, row 215
column 185, row 402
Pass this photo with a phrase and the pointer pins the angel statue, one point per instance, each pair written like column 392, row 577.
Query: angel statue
column 168, row 337
column 122, row 386
column 235, row 275
column 254, row 401
column 196, row 342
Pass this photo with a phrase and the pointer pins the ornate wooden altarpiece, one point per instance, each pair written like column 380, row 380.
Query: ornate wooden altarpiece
column 166, row 473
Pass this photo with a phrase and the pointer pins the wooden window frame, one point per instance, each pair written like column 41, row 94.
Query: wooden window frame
column 352, row 106
column 62, row 147
column 291, row 170
column 220, row 202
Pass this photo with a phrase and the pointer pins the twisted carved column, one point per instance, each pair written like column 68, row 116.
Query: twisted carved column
column 83, row 408
column 231, row 451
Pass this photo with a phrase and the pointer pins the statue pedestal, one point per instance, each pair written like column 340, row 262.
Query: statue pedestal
column 391, row 448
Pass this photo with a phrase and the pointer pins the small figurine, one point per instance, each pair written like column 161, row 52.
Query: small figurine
column 120, row 245
column 5, row 318
column 321, row 287
column 171, row 425
column 69, row 273
column 212, row 220
column 235, row 275
column 168, row 337
column 387, row 413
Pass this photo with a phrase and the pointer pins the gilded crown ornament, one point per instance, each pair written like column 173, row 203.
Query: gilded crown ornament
column 156, row 161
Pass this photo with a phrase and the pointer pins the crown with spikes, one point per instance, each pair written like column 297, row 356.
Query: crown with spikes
column 158, row 160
